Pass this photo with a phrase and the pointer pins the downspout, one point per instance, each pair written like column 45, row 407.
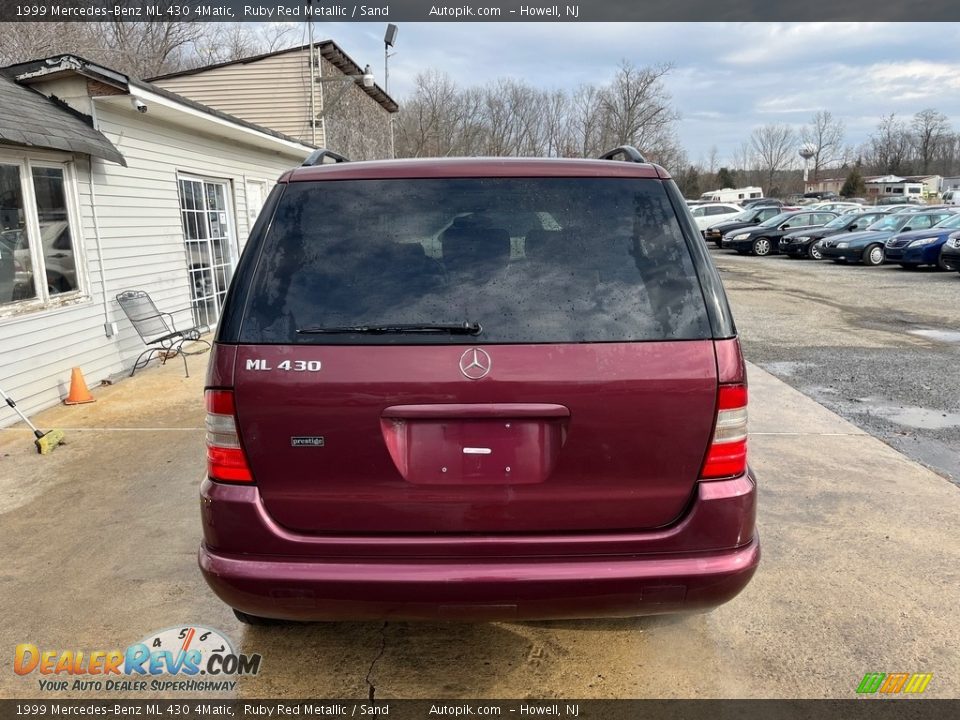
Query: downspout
column 313, row 78
column 108, row 325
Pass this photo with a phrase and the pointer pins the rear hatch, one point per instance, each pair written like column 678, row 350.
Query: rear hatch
column 475, row 355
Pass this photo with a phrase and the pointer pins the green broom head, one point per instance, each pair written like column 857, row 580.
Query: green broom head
column 48, row 441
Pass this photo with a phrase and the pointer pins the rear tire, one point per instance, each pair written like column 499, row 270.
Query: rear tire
column 873, row 255
column 761, row 247
column 813, row 252
column 254, row 619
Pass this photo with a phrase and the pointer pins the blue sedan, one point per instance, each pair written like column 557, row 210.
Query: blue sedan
column 922, row 247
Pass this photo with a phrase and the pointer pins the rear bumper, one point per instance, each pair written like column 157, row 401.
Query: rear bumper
column 703, row 560
column 520, row 589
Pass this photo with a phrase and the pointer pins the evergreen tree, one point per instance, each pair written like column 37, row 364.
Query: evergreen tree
column 726, row 178
column 854, row 185
column 689, row 182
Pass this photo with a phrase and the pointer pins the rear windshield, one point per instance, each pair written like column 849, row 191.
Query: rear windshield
column 546, row 260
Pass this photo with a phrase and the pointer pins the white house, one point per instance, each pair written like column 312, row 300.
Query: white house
column 109, row 183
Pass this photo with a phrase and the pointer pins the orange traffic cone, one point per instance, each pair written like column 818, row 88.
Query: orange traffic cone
column 79, row 393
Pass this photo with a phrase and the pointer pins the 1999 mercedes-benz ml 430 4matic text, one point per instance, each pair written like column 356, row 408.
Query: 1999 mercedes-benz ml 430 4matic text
column 476, row 389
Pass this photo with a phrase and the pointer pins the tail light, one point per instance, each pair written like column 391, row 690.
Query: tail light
column 727, row 456
column 225, row 459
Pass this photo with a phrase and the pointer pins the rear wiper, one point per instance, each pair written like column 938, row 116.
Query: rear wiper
column 464, row 328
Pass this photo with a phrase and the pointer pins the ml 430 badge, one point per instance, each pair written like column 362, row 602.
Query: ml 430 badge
column 293, row 365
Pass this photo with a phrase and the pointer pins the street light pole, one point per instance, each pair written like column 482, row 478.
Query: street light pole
column 389, row 38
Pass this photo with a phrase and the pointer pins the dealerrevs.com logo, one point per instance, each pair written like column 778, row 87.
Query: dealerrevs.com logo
column 187, row 659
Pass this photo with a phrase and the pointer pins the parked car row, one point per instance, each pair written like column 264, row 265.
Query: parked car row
column 908, row 235
column 748, row 217
column 764, row 238
column 806, row 242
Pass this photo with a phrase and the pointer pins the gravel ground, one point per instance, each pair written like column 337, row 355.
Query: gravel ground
column 879, row 346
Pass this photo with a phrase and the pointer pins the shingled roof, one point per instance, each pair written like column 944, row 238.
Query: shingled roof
column 32, row 119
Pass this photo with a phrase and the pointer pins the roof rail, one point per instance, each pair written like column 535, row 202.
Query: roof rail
column 317, row 157
column 629, row 152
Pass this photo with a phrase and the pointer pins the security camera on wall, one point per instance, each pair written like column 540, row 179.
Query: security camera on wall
column 138, row 104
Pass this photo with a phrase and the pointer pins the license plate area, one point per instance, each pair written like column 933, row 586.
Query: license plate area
column 470, row 447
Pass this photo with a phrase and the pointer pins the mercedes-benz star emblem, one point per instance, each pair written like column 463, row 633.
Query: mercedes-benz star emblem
column 475, row 364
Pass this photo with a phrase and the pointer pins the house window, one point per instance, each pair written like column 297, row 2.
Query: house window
column 38, row 265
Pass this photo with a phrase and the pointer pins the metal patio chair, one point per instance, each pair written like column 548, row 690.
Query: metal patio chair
column 157, row 330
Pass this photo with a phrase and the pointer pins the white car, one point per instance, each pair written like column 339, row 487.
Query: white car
column 709, row 213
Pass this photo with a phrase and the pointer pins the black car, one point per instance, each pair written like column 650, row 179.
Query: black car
column 764, row 239
column 950, row 252
column 748, row 218
column 803, row 243
column 759, row 202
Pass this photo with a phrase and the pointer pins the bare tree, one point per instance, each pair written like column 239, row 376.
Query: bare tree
column 637, row 107
column 930, row 129
column 226, row 42
column 947, row 156
column 429, row 121
column 145, row 49
column 889, row 146
column 275, row 36
column 824, row 135
column 511, row 117
column 774, row 146
column 713, row 160
column 141, row 49
column 556, row 121
column 34, row 40
column 586, row 122
column 745, row 163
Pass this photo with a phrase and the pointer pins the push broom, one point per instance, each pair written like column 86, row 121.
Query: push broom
column 46, row 441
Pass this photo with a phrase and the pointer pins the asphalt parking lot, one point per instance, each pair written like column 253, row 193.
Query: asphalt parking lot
column 878, row 345
column 859, row 573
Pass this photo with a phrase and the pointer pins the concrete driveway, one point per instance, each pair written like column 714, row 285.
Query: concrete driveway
column 859, row 574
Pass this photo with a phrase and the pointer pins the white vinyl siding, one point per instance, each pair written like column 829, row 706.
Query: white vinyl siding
column 142, row 239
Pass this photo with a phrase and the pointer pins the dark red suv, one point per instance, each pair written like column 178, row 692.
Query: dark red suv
column 476, row 389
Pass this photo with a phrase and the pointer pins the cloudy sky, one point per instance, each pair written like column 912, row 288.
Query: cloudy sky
column 727, row 78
